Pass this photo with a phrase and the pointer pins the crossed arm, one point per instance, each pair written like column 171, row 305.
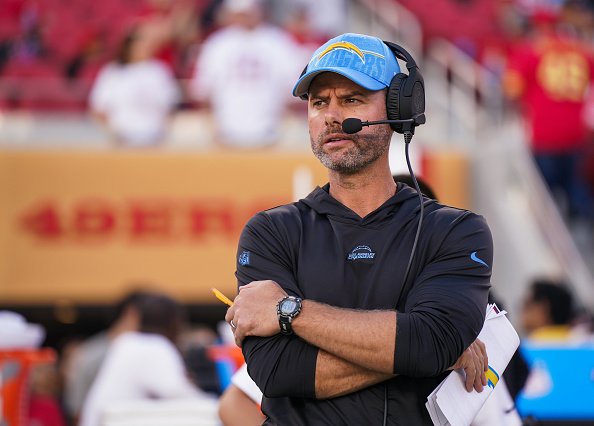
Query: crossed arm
column 355, row 352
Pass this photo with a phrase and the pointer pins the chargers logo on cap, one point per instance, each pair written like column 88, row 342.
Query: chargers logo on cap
column 342, row 45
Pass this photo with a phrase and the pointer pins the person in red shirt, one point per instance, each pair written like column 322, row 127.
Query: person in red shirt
column 550, row 75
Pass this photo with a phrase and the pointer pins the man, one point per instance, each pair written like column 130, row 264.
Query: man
column 365, row 347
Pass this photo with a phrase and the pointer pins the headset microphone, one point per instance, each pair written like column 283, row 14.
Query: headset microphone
column 354, row 125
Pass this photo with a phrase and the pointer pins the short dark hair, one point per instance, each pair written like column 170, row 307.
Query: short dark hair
column 557, row 296
column 160, row 314
column 130, row 299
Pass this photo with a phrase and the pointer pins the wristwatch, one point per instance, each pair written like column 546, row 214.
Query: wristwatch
column 287, row 309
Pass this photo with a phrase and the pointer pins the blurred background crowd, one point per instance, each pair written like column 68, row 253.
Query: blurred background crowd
column 138, row 136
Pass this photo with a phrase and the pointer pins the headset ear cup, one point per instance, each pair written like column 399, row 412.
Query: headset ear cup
column 418, row 98
column 393, row 105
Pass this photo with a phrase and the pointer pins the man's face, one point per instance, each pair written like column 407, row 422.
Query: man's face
column 332, row 98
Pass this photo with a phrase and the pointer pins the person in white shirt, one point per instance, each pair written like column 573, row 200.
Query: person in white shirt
column 243, row 75
column 143, row 364
column 84, row 358
column 135, row 94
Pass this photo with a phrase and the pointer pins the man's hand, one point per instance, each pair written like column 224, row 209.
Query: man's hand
column 254, row 310
column 475, row 363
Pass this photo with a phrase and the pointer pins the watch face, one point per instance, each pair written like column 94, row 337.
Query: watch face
column 288, row 306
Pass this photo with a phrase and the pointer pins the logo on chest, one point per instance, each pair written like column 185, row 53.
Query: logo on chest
column 361, row 252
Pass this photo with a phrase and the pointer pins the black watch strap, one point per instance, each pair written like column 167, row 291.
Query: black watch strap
column 285, row 324
column 287, row 309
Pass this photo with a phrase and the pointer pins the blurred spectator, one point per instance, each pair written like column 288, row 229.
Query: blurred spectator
column 194, row 344
column 323, row 19
column 244, row 76
column 550, row 74
column 144, row 364
column 553, row 342
column 29, row 45
column 298, row 24
column 135, row 94
column 239, row 404
column 577, row 17
column 178, row 25
column 44, row 406
column 30, row 381
column 82, row 362
column 328, row 18
column 548, row 311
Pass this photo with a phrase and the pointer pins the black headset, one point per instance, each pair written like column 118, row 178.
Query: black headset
column 406, row 95
column 406, row 100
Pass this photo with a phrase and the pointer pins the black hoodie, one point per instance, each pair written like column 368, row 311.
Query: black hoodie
column 318, row 249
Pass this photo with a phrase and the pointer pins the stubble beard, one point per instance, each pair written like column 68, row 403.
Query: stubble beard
column 366, row 149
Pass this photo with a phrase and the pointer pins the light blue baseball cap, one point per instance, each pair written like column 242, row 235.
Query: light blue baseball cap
column 366, row 60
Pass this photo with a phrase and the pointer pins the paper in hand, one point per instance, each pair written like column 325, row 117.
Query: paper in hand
column 450, row 403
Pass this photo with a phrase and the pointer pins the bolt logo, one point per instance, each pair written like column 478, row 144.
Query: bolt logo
column 492, row 377
column 361, row 252
column 342, row 45
column 347, row 55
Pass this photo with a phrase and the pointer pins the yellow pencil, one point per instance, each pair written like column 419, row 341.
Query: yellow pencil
column 221, row 297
